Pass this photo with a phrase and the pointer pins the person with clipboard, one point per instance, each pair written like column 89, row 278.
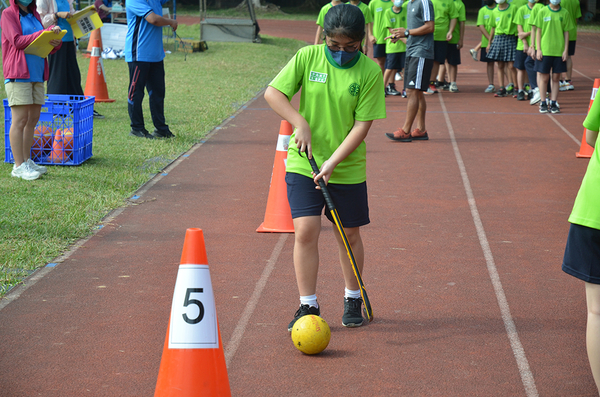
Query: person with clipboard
column 24, row 76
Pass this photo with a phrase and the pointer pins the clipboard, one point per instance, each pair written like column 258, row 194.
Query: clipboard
column 84, row 21
column 41, row 46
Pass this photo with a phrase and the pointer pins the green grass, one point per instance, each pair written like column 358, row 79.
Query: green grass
column 288, row 13
column 40, row 219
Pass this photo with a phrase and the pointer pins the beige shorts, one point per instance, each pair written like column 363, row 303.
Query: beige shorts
column 25, row 93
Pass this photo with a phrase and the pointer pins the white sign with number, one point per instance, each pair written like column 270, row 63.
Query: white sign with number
column 193, row 314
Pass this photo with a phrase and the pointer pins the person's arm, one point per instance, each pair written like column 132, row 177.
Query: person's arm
column 355, row 137
column 462, row 35
column 523, row 37
column 538, row 44
column 427, row 28
column 492, row 33
column 280, row 103
column 484, row 32
column 318, row 35
column 159, row 21
column 591, row 137
column 451, row 29
column 565, row 54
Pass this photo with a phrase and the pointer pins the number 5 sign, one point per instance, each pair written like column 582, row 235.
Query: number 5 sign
column 193, row 314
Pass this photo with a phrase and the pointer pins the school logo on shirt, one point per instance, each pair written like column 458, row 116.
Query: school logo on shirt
column 526, row 16
column 317, row 77
column 547, row 19
column 497, row 19
column 378, row 9
column 393, row 20
column 486, row 17
column 354, row 89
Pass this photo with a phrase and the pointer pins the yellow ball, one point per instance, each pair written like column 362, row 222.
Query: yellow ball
column 311, row 334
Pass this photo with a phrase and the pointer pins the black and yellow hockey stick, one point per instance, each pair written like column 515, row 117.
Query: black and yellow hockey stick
column 336, row 218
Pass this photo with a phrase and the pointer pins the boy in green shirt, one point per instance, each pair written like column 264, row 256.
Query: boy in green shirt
column 453, row 50
column 445, row 22
column 575, row 10
column 368, row 23
column 484, row 23
column 379, row 31
column 523, row 63
column 395, row 53
column 552, row 37
column 321, row 17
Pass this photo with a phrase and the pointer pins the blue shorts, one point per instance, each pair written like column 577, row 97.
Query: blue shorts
column 379, row 50
column 453, row 54
column 395, row 60
column 520, row 58
column 582, row 254
column 440, row 48
column 556, row 64
column 350, row 200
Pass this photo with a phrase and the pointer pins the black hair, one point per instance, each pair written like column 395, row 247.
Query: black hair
column 345, row 20
column 490, row 3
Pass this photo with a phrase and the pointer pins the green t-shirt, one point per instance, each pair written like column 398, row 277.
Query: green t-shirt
column 516, row 4
column 394, row 20
column 332, row 98
column 586, row 211
column 322, row 13
column 366, row 12
column 524, row 17
column 378, row 8
column 444, row 11
column 484, row 18
column 502, row 20
column 553, row 25
column 462, row 16
column 575, row 10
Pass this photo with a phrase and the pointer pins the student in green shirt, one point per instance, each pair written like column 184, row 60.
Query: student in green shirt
column 368, row 23
column 582, row 253
column 395, row 53
column 321, row 17
column 453, row 50
column 484, row 23
column 503, row 43
column 523, row 62
column 445, row 22
column 342, row 93
column 552, row 37
column 379, row 32
column 574, row 9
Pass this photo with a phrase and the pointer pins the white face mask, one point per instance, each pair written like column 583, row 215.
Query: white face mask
column 532, row 1
column 398, row 3
column 555, row 2
column 500, row 1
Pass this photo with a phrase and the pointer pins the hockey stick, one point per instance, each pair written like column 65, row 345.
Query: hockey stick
column 336, row 218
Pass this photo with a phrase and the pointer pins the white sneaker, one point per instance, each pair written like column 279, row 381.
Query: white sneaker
column 569, row 86
column 562, row 86
column 536, row 97
column 453, row 87
column 473, row 53
column 109, row 53
column 490, row 88
column 39, row 168
column 24, row 171
column 398, row 76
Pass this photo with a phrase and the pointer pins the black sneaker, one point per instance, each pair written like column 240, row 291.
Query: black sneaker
column 403, row 94
column 501, row 92
column 97, row 115
column 303, row 311
column 554, row 108
column 352, row 315
column 543, row 107
column 392, row 89
column 162, row 134
column 521, row 96
column 140, row 134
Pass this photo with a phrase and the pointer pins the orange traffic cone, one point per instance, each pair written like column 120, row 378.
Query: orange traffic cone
column 57, row 155
column 94, row 35
column 586, row 150
column 278, row 217
column 95, row 84
column 193, row 362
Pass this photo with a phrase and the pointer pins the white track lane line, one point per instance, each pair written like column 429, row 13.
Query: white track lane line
column 240, row 328
column 511, row 329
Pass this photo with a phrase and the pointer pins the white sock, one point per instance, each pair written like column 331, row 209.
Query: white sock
column 310, row 300
column 351, row 294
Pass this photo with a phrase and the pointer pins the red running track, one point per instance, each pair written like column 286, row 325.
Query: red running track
column 463, row 263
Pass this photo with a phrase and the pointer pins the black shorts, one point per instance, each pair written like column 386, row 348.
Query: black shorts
column 520, row 58
column 350, row 200
column 483, row 55
column 572, row 45
column 417, row 72
column 395, row 60
column 439, row 51
column 582, row 254
column 379, row 50
column 453, row 54
column 556, row 64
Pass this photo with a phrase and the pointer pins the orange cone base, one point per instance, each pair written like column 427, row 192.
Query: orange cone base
column 263, row 229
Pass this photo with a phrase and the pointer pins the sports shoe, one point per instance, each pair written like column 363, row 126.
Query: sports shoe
column 39, row 168
column 418, row 135
column 501, row 92
column 521, row 96
column 403, row 94
column 399, row 136
column 536, row 97
column 543, row 107
column 303, row 311
column 97, row 115
column 473, row 53
column 569, row 85
column 562, row 85
column 141, row 134
column 162, row 134
column 391, row 89
column 510, row 89
column 430, row 91
column 554, row 108
column 490, row 88
column 433, row 87
column 109, row 53
column 352, row 315
column 453, row 87
column 24, row 171
column 398, row 76
column 527, row 87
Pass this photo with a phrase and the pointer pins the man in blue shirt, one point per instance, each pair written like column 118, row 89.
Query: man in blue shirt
column 144, row 54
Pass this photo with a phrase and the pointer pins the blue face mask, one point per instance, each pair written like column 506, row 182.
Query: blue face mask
column 342, row 57
column 25, row 2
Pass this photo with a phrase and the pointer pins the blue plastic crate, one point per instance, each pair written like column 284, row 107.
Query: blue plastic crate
column 63, row 134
